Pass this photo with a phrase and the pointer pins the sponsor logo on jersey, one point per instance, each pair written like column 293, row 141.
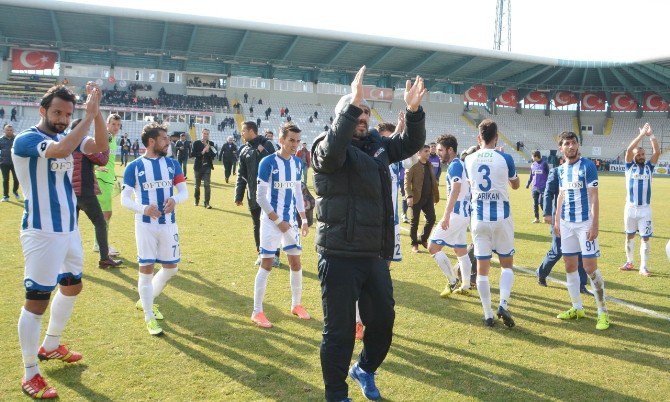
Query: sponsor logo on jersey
column 140, row 174
column 61, row 166
column 153, row 185
column 171, row 170
column 575, row 185
column 281, row 185
column 638, row 176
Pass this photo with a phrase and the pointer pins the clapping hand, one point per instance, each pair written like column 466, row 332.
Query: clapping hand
column 414, row 93
column 357, row 87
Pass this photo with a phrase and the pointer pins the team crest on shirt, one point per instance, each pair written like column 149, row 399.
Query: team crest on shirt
column 171, row 170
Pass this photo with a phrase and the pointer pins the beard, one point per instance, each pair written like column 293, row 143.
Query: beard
column 361, row 132
column 160, row 152
column 55, row 128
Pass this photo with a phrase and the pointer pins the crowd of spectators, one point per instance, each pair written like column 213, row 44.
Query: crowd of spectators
column 115, row 97
column 198, row 83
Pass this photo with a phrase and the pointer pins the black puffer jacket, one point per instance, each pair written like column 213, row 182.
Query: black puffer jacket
column 354, row 209
column 247, row 173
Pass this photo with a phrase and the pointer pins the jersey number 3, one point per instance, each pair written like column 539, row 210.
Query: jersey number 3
column 486, row 172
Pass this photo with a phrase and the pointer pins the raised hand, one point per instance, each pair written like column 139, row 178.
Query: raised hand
column 646, row 130
column 93, row 101
column 400, row 127
column 357, row 87
column 414, row 93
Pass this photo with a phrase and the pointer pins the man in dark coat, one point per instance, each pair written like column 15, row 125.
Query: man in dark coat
column 356, row 234
column 228, row 156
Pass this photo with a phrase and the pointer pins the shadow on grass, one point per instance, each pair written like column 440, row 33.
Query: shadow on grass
column 70, row 376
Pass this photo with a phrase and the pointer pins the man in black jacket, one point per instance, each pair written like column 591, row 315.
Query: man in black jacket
column 256, row 148
column 228, row 155
column 183, row 151
column 203, row 153
column 355, row 234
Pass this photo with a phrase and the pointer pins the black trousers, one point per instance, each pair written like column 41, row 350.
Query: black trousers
column 204, row 177
column 184, row 165
column 124, row 157
column 228, row 167
column 91, row 207
column 343, row 281
column 6, row 169
column 234, row 168
column 537, row 202
column 426, row 205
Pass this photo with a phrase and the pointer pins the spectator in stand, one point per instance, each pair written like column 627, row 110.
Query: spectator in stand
column 6, row 163
column 435, row 161
column 539, row 171
column 281, row 112
column 183, row 152
column 267, row 113
column 251, row 110
column 311, row 119
column 258, row 122
column 136, row 149
column 13, row 114
column 246, row 97
column 316, row 114
column 86, row 189
column 304, row 155
column 260, row 101
column 204, row 154
column 2, row 113
column 422, row 193
column 228, row 156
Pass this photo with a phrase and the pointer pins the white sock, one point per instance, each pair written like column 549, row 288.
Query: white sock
column 466, row 270
column 572, row 278
column 61, row 310
column 296, row 288
column 445, row 266
column 146, row 291
column 484, row 289
column 259, row 289
column 598, row 284
column 644, row 254
column 630, row 246
column 161, row 279
column 29, row 338
column 358, row 314
column 506, row 282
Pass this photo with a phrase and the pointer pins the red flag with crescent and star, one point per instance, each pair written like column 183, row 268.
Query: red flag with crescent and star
column 622, row 102
column 373, row 93
column 564, row 98
column 508, row 98
column 654, row 102
column 476, row 93
column 26, row 59
column 593, row 101
column 536, row 98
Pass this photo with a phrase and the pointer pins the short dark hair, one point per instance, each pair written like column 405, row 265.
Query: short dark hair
column 566, row 135
column 425, row 146
column 488, row 129
column 151, row 130
column 251, row 125
column 433, row 143
column 537, row 154
column 58, row 91
column 289, row 127
column 448, row 141
column 269, row 132
column 385, row 127
column 113, row 116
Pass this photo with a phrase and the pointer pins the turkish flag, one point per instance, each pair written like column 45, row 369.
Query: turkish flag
column 593, row 101
column 654, row 102
column 622, row 102
column 536, row 98
column 25, row 59
column 476, row 93
column 564, row 98
column 373, row 93
column 508, row 98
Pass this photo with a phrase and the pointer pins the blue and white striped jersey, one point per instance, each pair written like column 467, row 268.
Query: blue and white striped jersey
column 283, row 179
column 394, row 169
column 153, row 181
column 489, row 172
column 50, row 203
column 575, row 180
column 456, row 174
column 638, row 183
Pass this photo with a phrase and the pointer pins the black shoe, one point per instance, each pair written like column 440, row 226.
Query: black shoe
column 542, row 281
column 489, row 322
column 506, row 317
column 208, row 206
column 196, row 203
column 109, row 263
column 585, row 291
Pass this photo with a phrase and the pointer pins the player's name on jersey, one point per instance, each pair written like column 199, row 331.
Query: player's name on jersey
column 488, row 196
column 61, row 166
column 281, row 185
column 152, row 185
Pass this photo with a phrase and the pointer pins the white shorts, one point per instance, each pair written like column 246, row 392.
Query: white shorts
column 157, row 243
column 493, row 237
column 638, row 219
column 574, row 240
column 456, row 236
column 50, row 257
column 272, row 238
column 397, row 254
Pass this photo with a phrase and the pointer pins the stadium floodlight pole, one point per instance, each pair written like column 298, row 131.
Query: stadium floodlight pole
column 503, row 10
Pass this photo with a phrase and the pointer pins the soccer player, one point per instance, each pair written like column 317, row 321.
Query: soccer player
column 50, row 238
column 279, row 196
column 576, row 223
column 106, row 176
column 452, row 229
column 152, row 179
column 637, row 213
column 489, row 170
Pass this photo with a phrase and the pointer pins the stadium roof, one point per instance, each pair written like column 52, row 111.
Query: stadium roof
column 114, row 36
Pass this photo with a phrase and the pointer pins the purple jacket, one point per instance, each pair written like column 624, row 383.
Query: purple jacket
column 437, row 166
column 539, row 171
